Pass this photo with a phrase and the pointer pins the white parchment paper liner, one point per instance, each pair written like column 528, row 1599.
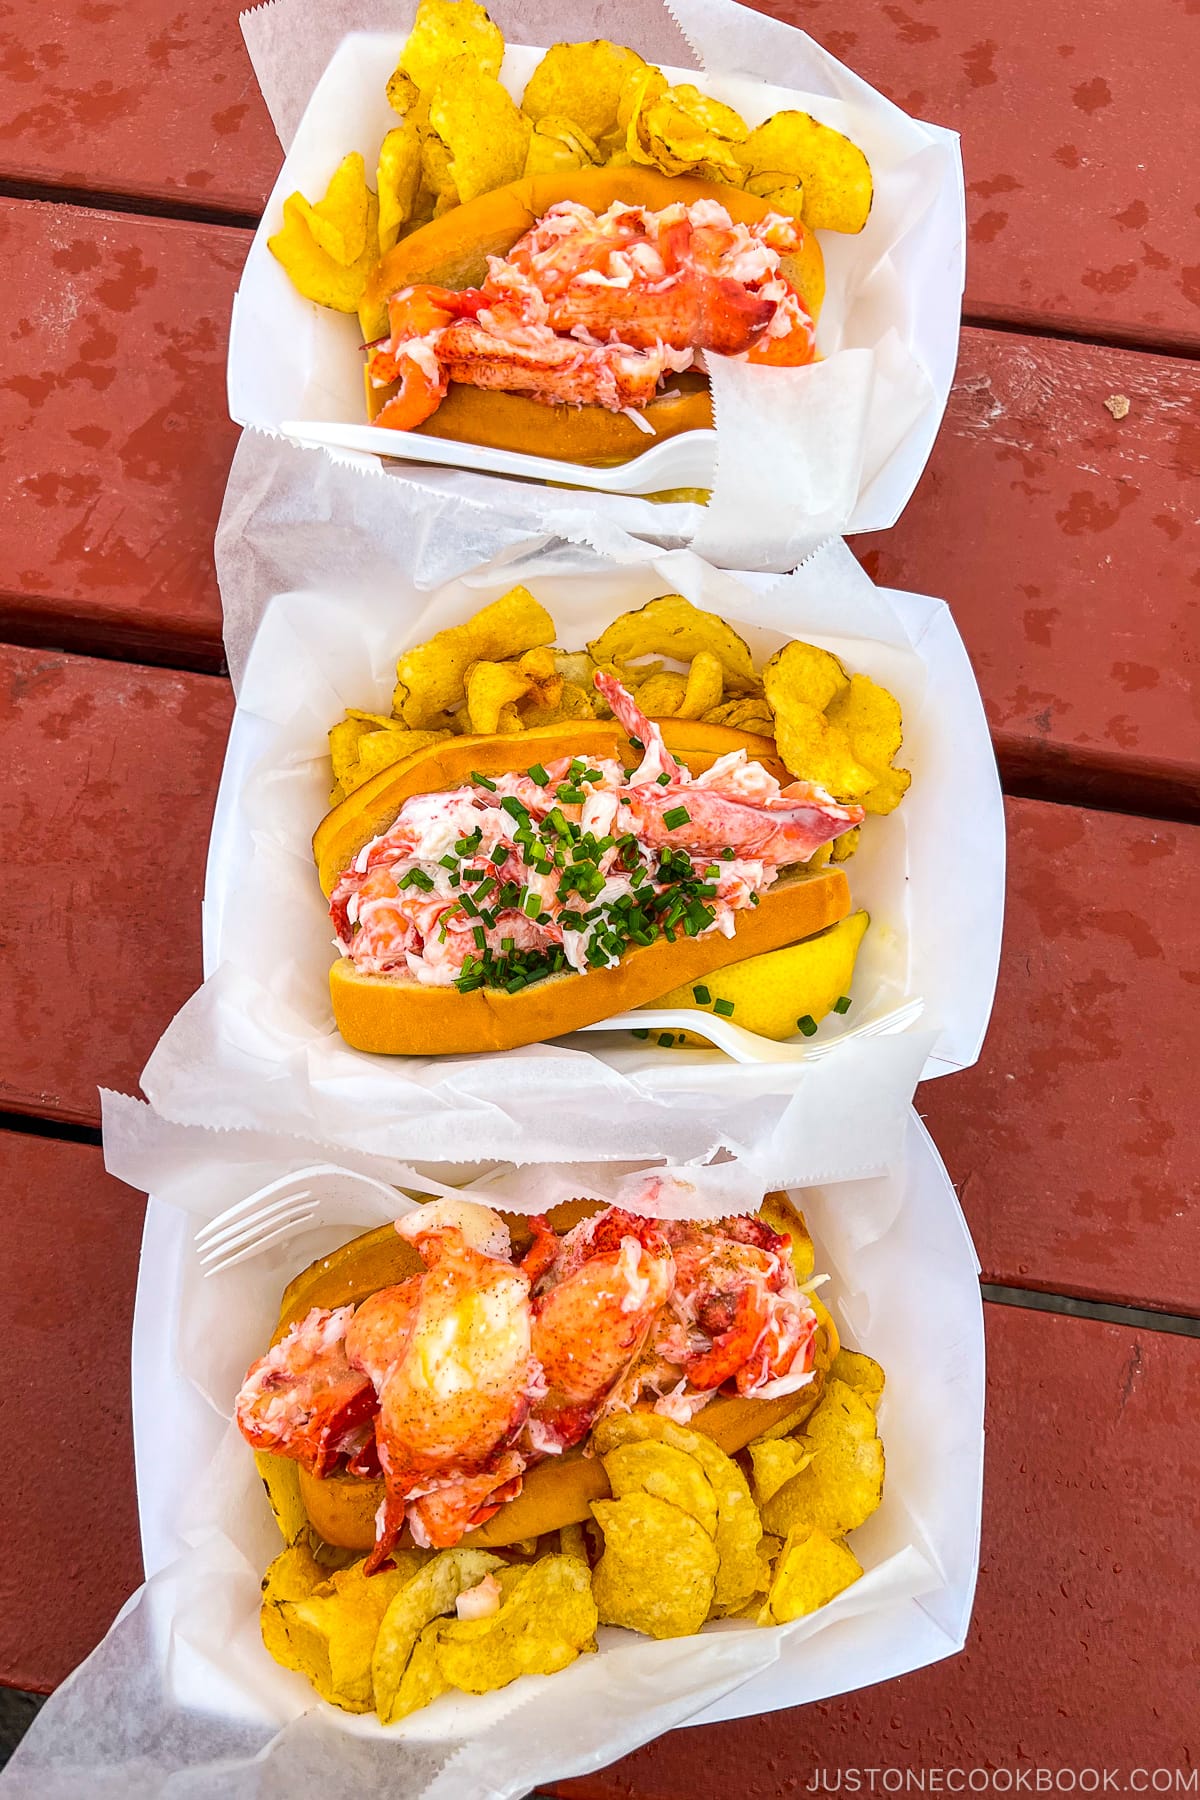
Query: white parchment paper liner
column 181, row 1700
column 801, row 453
column 256, row 1046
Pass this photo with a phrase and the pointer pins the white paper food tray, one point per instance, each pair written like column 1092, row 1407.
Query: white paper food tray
column 904, row 1287
column 256, row 1045
column 857, row 441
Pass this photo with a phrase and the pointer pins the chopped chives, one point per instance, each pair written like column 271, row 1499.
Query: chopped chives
column 538, row 774
column 666, row 1039
column 664, row 780
column 480, row 936
column 499, row 852
column 702, row 996
column 482, row 781
column 724, row 1007
column 641, row 1034
column 531, row 905
column 807, row 1025
column 571, row 796
column 678, row 815
column 419, row 879
column 512, row 806
column 842, row 1005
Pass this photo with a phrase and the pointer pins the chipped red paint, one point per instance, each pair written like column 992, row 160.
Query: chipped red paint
column 110, row 778
column 1061, row 538
column 114, row 437
column 1090, row 1511
column 1075, row 1140
column 68, row 1512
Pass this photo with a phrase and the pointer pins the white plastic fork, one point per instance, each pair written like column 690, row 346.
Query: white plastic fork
column 285, row 1207
column 747, row 1046
column 686, row 461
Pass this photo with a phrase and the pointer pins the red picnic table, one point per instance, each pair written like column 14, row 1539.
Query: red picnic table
column 135, row 155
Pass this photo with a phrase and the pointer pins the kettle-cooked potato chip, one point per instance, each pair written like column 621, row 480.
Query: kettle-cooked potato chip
column 477, row 120
column 490, row 687
column 860, row 1372
column 652, row 1468
column 346, row 1612
column 381, row 749
column 658, row 1571
column 431, row 676
column 581, row 82
column 422, row 1681
column 311, row 270
column 803, row 673
column 870, row 718
column 843, row 847
column 834, row 173
column 442, row 32
column 687, row 132
column 812, row 1569
column 292, row 1576
column 705, row 685
column 661, row 696
column 779, row 1213
column 398, row 180
column 739, row 1527
column 749, row 714
column 338, row 223
column 672, row 626
column 558, row 144
column 775, row 1461
column 429, row 1595
column 280, row 1477
column 815, row 750
column 546, row 1617
column 843, row 1484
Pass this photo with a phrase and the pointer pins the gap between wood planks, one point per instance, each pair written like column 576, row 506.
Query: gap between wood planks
column 152, row 206
column 1074, row 1306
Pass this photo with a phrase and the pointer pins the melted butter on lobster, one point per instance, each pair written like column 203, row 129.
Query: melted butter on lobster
column 456, row 1381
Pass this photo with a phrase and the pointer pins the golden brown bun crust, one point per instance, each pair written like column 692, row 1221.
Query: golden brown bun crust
column 452, row 252
column 388, row 1017
column 557, row 1492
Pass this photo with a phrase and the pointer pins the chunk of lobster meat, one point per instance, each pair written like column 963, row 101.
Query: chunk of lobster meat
column 736, row 805
column 748, row 1322
column 304, row 1399
column 615, row 1274
column 459, row 1390
column 691, row 312
column 440, row 1519
column 556, row 371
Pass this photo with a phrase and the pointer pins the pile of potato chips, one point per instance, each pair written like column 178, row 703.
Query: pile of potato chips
column 586, row 105
column 689, row 1534
column 500, row 672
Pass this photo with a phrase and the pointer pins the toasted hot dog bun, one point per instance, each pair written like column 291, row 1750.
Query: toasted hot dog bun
column 342, row 1508
column 393, row 1016
column 452, row 252
column 390, row 1017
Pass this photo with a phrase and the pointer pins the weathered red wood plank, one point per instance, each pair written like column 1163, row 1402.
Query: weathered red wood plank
column 68, row 1511
column 1064, row 540
column 1080, row 209
column 114, row 438
column 110, row 776
column 1059, row 535
column 1075, row 1141
column 1080, row 1655
column 154, row 99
